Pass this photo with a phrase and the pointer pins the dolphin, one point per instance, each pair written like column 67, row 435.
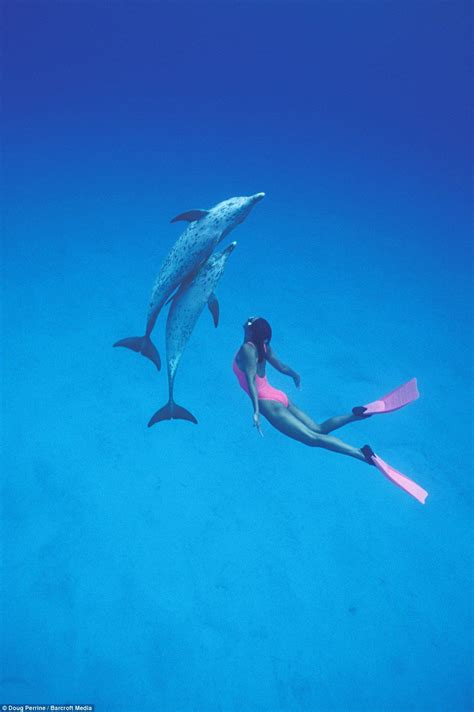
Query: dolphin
column 184, row 312
column 205, row 230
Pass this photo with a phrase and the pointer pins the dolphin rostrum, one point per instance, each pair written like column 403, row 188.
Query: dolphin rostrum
column 205, row 230
column 185, row 309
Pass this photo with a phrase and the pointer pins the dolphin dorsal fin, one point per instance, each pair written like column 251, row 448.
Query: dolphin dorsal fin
column 213, row 305
column 191, row 215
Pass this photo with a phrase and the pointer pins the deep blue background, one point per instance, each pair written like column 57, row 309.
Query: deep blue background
column 204, row 568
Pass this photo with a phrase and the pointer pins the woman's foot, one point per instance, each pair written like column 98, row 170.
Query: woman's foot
column 359, row 411
column 368, row 454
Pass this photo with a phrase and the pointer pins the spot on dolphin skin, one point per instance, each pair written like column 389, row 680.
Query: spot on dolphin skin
column 352, row 610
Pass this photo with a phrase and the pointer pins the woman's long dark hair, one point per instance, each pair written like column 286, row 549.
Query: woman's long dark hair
column 260, row 332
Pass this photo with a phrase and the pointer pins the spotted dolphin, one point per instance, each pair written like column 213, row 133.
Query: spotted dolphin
column 184, row 312
column 205, row 230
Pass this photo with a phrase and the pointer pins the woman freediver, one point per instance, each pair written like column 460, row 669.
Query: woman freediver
column 249, row 367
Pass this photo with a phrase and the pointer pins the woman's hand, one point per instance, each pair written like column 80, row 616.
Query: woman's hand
column 297, row 380
column 256, row 423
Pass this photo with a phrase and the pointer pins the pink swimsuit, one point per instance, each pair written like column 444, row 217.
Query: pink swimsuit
column 264, row 390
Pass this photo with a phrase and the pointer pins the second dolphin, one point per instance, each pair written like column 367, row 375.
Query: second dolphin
column 184, row 312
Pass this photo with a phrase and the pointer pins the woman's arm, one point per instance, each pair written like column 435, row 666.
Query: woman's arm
column 249, row 367
column 282, row 367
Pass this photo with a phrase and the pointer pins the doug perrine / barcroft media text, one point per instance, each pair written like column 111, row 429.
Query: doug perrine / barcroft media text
column 47, row 708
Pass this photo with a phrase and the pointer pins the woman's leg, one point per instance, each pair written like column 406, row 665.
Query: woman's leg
column 328, row 426
column 287, row 423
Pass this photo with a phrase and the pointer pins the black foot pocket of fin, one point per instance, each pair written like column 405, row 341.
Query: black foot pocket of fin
column 368, row 453
column 172, row 411
column 359, row 410
column 142, row 345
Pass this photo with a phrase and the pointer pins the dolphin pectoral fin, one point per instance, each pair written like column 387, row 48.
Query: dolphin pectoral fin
column 191, row 215
column 142, row 345
column 171, row 411
column 213, row 305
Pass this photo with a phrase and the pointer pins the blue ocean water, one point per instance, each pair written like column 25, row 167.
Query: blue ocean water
column 203, row 568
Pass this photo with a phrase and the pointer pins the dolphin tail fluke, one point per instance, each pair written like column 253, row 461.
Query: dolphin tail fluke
column 172, row 411
column 142, row 345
